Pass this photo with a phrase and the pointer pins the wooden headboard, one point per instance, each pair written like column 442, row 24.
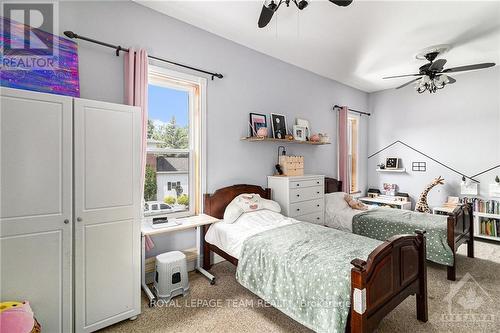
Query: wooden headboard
column 215, row 204
column 332, row 185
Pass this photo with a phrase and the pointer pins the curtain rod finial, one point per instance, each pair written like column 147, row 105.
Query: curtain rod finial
column 70, row 34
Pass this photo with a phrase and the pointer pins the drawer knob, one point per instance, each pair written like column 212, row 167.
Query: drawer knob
column 298, row 195
column 317, row 218
column 317, row 205
column 298, row 185
column 66, row 221
column 317, row 182
column 317, row 192
column 298, row 209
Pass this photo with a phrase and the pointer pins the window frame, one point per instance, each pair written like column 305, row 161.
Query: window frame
column 357, row 118
column 197, row 134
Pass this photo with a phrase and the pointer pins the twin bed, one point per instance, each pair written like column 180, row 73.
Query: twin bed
column 326, row 279
column 444, row 233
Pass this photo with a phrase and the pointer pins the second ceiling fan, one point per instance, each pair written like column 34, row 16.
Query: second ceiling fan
column 271, row 6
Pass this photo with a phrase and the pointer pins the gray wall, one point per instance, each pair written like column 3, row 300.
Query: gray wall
column 253, row 82
column 459, row 126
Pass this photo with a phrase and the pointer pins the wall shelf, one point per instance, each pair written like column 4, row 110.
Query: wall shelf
column 392, row 170
column 256, row 139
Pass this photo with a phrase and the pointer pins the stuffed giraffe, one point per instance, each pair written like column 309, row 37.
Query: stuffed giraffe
column 422, row 205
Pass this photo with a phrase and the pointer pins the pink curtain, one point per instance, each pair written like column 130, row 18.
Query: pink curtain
column 136, row 94
column 343, row 167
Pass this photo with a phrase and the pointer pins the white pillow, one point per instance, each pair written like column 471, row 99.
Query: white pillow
column 244, row 203
column 335, row 201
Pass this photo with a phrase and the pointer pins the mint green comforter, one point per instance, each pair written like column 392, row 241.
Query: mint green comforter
column 304, row 269
column 383, row 223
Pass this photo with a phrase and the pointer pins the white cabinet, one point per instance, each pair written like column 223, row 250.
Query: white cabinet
column 50, row 229
column 300, row 197
column 35, row 196
column 107, row 208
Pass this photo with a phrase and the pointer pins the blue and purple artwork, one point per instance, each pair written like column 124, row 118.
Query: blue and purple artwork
column 29, row 72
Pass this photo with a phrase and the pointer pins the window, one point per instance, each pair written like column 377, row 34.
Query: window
column 352, row 141
column 174, row 161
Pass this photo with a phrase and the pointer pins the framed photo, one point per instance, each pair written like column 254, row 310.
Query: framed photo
column 278, row 123
column 257, row 121
column 299, row 133
column 391, row 163
column 304, row 123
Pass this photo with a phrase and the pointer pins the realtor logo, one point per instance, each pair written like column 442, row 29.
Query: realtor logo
column 469, row 303
column 29, row 36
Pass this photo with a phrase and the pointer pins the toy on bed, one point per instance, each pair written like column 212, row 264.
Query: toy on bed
column 354, row 203
column 17, row 317
column 422, row 205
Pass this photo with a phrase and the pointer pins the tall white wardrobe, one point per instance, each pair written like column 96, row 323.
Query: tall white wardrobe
column 70, row 209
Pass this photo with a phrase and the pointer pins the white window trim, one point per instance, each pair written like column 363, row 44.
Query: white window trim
column 202, row 142
column 358, row 120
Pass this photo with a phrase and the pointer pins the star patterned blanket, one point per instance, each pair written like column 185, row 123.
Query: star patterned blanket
column 304, row 270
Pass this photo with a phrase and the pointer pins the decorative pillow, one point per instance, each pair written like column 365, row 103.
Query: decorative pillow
column 355, row 204
column 244, row 203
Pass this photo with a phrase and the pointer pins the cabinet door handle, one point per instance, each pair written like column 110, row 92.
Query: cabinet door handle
column 317, row 218
column 298, row 209
column 66, row 221
column 298, row 195
column 317, row 192
column 79, row 219
column 317, row 182
column 317, row 205
column 298, row 184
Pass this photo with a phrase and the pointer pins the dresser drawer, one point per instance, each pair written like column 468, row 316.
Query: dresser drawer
column 306, row 193
column 316, row 218
column 306, row 183
column 306, row 207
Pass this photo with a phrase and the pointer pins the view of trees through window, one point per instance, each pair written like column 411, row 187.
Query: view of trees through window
column 166, row 187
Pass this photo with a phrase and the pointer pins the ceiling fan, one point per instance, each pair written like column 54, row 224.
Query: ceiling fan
column 271, row 6
column 433, row 76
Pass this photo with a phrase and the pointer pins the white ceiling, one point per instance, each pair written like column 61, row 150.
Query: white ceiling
column 356, row 45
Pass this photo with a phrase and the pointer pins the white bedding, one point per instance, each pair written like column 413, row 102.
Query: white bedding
column 338, row 214
column 229, row 237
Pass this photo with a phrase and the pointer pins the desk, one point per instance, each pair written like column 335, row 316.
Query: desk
column 197, row 222
column 384, row 200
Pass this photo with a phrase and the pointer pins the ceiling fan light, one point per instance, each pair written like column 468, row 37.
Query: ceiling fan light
column 302, row 4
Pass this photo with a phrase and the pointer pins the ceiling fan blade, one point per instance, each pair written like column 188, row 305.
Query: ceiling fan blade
column 409, row 82
column 265, row 16
column 392, row 77
column 341, row 3
column 437, row 65
column 469, row 67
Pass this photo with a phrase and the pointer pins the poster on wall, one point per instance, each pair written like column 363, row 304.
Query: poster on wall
column 25, row 70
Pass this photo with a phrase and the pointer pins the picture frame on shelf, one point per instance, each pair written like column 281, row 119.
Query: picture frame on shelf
column 278, row 124
column 257, row 121
column 392, row 163
column 304, row 123
column 299, row 133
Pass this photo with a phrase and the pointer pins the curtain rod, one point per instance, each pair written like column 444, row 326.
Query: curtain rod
column 118, row 48
column 360, row 112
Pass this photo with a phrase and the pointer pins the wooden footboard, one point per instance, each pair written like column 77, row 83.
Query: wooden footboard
column 393, row 271
column 460, row 231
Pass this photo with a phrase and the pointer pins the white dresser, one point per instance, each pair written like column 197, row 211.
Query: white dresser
column 300, row 197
